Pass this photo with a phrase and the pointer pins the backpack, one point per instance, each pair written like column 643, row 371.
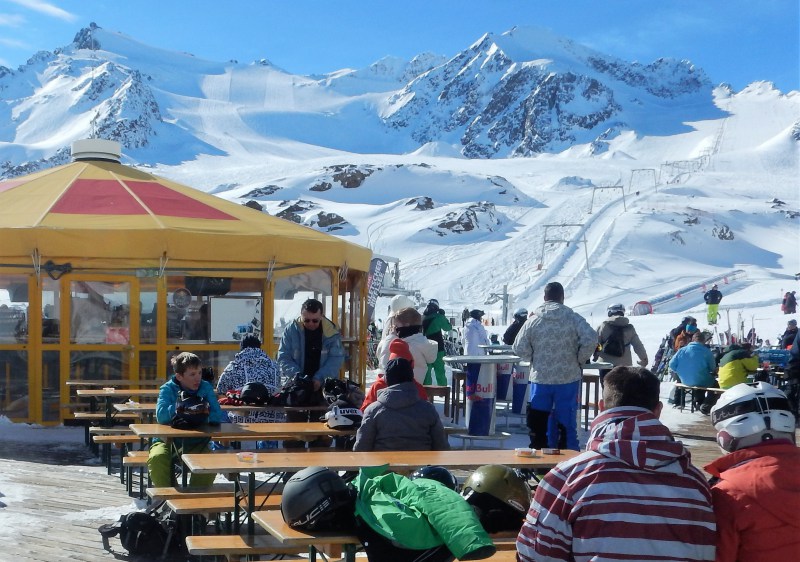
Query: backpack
column 614, row 345
column 144, row 533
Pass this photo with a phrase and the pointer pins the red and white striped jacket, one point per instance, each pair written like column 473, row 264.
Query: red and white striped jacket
column 633, row 495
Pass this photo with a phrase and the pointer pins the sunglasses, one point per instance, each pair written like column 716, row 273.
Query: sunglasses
column 311, row 320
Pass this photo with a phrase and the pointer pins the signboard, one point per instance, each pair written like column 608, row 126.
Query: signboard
column 234, row 318
column 377, row 271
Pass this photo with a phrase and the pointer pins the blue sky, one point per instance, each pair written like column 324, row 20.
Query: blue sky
column 734, row 41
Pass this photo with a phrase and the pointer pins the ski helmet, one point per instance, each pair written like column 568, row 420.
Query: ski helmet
column 191, row 411
column 438, row 473
column 254, row 393
column 521, row 314
column 312, row 497
column 343, row 415
column 399, row 302
column 501, row 497
column 616, row 310
column 747, row 415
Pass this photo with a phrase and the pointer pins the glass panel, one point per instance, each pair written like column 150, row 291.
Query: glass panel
column 292, row 291
column 148, row 367
column 51, row 310
column 98, row 365
column 13, row 309
column 51, row 386
column 100, row 312
column 148, row 307
column 14, row 384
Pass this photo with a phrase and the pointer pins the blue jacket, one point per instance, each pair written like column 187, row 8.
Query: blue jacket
column 291, row 354
column 168, row 399
column 694, row 365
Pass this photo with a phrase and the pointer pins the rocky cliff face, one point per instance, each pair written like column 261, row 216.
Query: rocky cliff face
column 495, row 105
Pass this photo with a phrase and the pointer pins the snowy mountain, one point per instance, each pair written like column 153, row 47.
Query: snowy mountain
column 523, row 159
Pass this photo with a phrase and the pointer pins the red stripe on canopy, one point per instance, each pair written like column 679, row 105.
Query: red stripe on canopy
column 97, row 197
column 167, row 202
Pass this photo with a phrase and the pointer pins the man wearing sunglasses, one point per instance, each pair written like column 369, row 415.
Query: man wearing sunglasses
column 311, row 346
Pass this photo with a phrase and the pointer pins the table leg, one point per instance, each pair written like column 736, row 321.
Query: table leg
column 251, row 502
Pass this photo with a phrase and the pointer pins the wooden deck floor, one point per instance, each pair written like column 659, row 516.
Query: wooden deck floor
column 57, row 497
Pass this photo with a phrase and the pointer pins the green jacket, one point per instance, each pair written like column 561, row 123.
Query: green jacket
column 433, row 325
column 419, row 514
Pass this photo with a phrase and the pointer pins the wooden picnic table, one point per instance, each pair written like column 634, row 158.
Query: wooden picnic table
column 148, row 410
column 113, row 382
column 303, row 431
column 400, row 461
column 110, row 393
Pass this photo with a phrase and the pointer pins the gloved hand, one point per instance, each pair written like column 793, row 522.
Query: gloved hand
column 642, row 362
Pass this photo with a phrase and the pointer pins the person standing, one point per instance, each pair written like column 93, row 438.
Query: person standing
column 252, row 365
column 695, row 366
column 788, row 336
column 398, row 303
column 434, row 322
column 789, row 305
column 474, row 336
column 712, row 298
column 619, row 330
column 756, row 485
column 464, row 316
column 520, row 316
column 557, row 341
column 632, row 495
column 311, row 346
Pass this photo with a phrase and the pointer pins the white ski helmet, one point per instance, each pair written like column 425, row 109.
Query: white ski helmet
column 747, row 415
column 616, row 310
column 343, row 416
column 521, row 313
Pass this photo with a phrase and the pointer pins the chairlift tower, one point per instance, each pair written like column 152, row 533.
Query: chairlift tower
column 617, row 185
column 545, row 240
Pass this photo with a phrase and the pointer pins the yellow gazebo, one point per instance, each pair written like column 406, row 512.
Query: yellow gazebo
column 106, row 271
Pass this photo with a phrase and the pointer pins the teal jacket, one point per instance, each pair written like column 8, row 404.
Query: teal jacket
column 420, row 514
column 168, row 399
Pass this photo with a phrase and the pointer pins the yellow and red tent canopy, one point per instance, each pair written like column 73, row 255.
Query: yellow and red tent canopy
column 98, row 214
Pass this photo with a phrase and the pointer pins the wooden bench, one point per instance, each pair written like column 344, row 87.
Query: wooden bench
column 467, row 439
column 89, row 418
column 169, row 492
column 136, row 460
column 313, row 541
column 218, row 504
column 683, row 390
column 122, row 441
column 235, row 547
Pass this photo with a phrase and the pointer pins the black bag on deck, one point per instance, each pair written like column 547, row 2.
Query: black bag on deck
column 144, row 533
column 615, row 343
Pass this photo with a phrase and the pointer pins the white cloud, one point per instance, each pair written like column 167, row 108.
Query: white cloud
column 46, row 8
column 13, row 43
column 12, row 20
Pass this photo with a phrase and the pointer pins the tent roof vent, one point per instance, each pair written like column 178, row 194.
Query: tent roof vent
column 96, row 149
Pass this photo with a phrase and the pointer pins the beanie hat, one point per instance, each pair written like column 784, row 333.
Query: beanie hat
column 476, row 314
column 691, row 328
column 399, row 349
column 399, row 370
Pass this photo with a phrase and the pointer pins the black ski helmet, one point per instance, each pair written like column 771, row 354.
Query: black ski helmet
column 254, row 393
column 312, row 497
column 438, row 473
